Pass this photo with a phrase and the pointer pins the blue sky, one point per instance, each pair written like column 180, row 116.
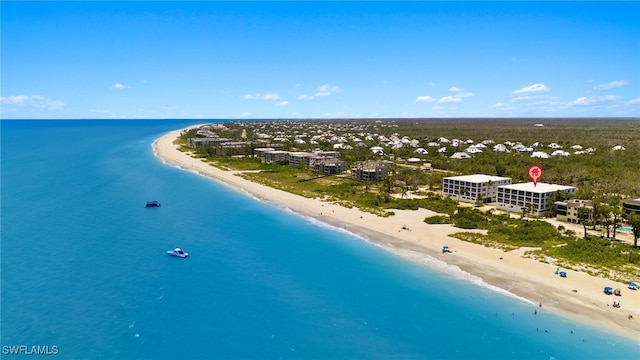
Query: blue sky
column 158, row 59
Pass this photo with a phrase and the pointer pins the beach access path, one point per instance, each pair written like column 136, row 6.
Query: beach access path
column 579, row 296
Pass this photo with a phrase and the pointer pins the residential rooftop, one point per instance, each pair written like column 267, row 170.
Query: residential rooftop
column 478, row 178
column 538, row 188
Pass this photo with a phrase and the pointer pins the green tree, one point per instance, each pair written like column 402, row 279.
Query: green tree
column 606, row 216
column 526, row 211
column 462, row 192
column 583, row 215
column 617, row 220
column 551, row 202
column 634, row 222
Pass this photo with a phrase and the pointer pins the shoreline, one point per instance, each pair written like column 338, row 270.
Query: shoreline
column 578, row 297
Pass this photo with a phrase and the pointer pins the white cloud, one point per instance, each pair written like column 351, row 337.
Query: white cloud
column 498, row 105
column 431, row 83
column 634, row 101
column 246, row 114
column 449, row 99
column 328, row 88
column 527, row 98
column 98, row 111
column 583, row 101
column 594, row 99
column 608, row 98
column 282, row 103
column 612, row 85
column 15, row 99
column 119, row 86
column 323, row 91
column 535, row 88
column 464, row 95
column 265, row 96
column 270, row 96
column 453, row 88
column 425, row 98
column 32, row 101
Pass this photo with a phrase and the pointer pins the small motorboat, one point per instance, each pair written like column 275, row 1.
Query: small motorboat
column 178, row 252
column 153, row 203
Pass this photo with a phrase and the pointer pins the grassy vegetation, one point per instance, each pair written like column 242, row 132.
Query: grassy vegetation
column 595, row 255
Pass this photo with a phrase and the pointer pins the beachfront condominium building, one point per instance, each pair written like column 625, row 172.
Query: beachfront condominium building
column 371, row 170
column 472, row 188
column 516, row 197
column 327, row 154
column 569, row 210
column 213, row 141
column 301, row 159
column 328, row 166
column 270, row 155
column 630, row 205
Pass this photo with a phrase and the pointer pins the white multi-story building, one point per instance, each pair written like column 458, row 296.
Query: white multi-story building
column 471, row 188
column 371, row 170
column 516, row 197
column 301, row 159
column 269, row 155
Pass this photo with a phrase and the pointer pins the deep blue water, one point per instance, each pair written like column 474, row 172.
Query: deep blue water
column 84, row 268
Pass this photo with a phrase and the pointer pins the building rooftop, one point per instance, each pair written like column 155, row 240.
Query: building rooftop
column 538, row 188
column 478, row 178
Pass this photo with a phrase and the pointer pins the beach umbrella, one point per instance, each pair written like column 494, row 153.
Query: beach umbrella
column 633, row 286
column 563, row 274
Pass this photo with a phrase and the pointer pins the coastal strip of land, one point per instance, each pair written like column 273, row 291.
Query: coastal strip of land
column 579, row 296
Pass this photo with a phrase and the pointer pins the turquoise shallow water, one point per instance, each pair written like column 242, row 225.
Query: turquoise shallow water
column 85, row 269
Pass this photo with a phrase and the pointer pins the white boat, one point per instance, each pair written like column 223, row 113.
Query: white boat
column 178, row 252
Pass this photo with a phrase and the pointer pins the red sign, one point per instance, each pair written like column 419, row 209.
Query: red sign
column 535, row 173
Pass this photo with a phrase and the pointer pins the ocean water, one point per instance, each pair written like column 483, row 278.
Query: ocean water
column 86, row 274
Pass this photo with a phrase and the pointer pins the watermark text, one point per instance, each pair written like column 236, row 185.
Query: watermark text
column 30, row 350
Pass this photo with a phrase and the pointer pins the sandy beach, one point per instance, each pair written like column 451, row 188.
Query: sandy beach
column 579, row 296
